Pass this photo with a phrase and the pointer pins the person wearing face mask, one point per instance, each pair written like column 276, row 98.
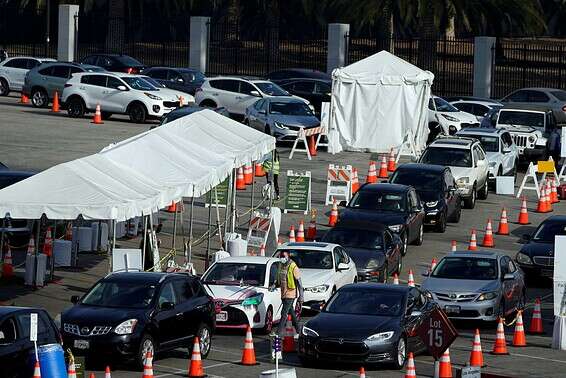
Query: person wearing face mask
column 289, row 279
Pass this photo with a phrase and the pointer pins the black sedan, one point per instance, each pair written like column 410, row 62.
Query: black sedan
column 316, row 91
column 376, row 250
column 396, row 206
column 436, row 188
column 366, row 324
column 536, row 257
column 180, row 79
column 126, row 315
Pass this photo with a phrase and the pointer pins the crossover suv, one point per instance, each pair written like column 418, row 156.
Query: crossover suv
column 450, row 119
column 180, row 79
column 127, row 314
column 13, row 72
column 42, row 82
column 468, row 163
column 134, row 95
column 114, row 63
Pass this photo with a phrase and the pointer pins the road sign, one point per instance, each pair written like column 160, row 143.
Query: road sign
column 221, row 192
column 437, row 333
column 298, row 192
column 33, row 327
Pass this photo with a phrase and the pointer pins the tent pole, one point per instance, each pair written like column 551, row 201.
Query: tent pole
column 228, row 201
column 191, row 231
column 173, row 244
column 252, row 197
column 144, row 238
column 52, row 258
column 218, row 224
column 2, row 238
column 182, row 230
column 207, row 257
column 272, row 181
column 36, row 261
column 233, row 204
column 99, row 237
column 113, row 245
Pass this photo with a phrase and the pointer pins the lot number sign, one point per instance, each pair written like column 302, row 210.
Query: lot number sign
column 437, row 333
column 298, row 197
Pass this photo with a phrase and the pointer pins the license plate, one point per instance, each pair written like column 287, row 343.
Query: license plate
column 452, row 309
column 82, row 344
column 222, row 316
column 547, row 272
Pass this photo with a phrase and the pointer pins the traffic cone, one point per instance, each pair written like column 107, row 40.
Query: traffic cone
column 411, row 282
column 553, row 192
column 48, row 243
column 55, row 105
column 488, row 236
column 432, row 265
column 31, row 246
column 248, row 174
column 259, row 172
column 301, row 232
column 383, row 168
column 519, row 339
column 195, row 367
column 473, row 242
column 500, row 345
column 445, row 366
column 453, row 246
column 411, row 372
column 148, row 366
column 395, row 279
column 362, row 372
column 7, row 266
column 312, row 145
column 248, row 353
column 503, row 228
column 240, row 181
column 355, row 181
column 476, row 358
column 173, row 207
column 289, row 338
column 97, row 119
column 36, row 370
column 91, row 375
column 292, row 234
column 391, row 166
column 311, row 231
column 262, row 250
column 333, row 218
column 71, row 371
column 24, row 99
column 372, row 174
column 523, row 215
column 536, row 321
column 69, row 231
column 107, row 372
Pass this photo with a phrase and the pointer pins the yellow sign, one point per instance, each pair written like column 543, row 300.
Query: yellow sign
column 545, row 166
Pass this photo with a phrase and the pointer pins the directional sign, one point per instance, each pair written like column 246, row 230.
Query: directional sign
column 33, row 327
column 437, row 333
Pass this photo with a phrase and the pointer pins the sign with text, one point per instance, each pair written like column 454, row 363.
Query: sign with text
column 222, row 193
column 33, row 327
column 470, row 372
column 298, row 198
column 559, row 275
column 437, row 333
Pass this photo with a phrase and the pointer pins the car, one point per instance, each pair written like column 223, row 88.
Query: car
column 553, row 98
column 245, row 292
column 127, row 314
column 16, row 349
column 17, row 230
column 186, row 110
column 476, row 285
column 281, row 117
column 13, row 72
column 437, row 190
column 468, row 163
column 316, row 91
column 501, row 151
column 366, row 324
column 180, row 79
column 478, row 107
column 43, row 81
column 235, row 94
column 297, row 73
column 114, row 63
column 394, row 205
column 375, row 249
column 442, row 113
column 118, row 93
column 325, row 268
column 536, row 257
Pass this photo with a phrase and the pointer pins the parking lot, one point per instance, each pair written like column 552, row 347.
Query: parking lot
column 36, row 139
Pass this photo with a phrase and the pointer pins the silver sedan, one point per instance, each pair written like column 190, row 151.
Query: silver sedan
column 550, row 97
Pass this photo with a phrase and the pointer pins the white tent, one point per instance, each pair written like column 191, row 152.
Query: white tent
column 377, row 101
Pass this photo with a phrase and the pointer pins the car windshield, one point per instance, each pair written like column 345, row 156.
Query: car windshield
column 119, row 294
column 547, row 231
column 450, row 157
column 271, row 89
column 519, row 118
column 561, row 95
column 289, row 108
column 466, row 268
column 139, row 83
column 380, row 201
column 153, row 82
column 489, row 143
column 422, row 181
column 366, row 302
column 128, row 60
column 311, row 259
column 354, row 238
column 235, row 274
column 443, row 106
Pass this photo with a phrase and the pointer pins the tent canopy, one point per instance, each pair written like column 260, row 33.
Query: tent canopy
column 377, row 101
column 184, row 158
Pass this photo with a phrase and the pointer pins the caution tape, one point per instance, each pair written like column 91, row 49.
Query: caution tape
column 512, row 322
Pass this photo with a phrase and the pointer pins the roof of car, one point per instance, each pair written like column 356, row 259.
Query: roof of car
column 477, row 254
column 527, row 107
column 454, row 142
column 481, row 130
column 359, row 225
column 73, row 64
column 422, row 167
column 181, row 69
column 539, row 89
column 292, row 80
column 377, row 286
column 284, row 99
column 308, row 246
column 470, row 98
column 140, row 277
column 246, row 259
column 10, row 309
column 30, row 57
column 385, row 187
column 556, row 219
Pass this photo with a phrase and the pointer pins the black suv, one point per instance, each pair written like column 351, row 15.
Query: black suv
column 16, row 349
column 114, row 63
column 127, row 314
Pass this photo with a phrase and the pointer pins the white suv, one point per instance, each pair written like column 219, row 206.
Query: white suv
column 467, row 161
column 13, row 72
column 135, row 95
column 236, row 94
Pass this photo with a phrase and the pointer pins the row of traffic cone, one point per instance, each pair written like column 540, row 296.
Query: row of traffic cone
column 548, row 196
column 300, row 237
column 7, row 262
column 245, row 175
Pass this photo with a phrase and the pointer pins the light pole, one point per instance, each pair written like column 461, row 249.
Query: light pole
column 47, row 27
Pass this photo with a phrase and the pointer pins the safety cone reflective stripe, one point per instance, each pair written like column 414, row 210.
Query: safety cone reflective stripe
column 362, row 372
column 248, row 353
column 97, row 119
column 372, row 173
column 7, row 266
column 536, row 320
column 48, row 244
column 55, row 105
column 301, row 232
column 445, row 366
column 473, row 242
column 500, row 345
column 333, row 218
column 355, row 181
column 71, row 372
column 411, row 372
column 503, row 228
column 476, row 358
column 262, row 250
column 36, row 370
column 432, row 265
column 248, row 174
column 107, row 372
column 259, row 172
column 553, row 192
column 523, row 215
column 411, row 282
column 195, row 367
column 391, row 166
column 148, row 366
column 395, row 279
column 31, row 245
column 453, row 246
column 240, row 182
column 383, row 168
column 24, row 99
column 488, row 236
column 292, row 234
column 519, row 338
column 289, row 338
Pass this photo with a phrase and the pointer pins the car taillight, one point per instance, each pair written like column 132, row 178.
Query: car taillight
column 564, row 108
column 67, row 85
column 132, row 70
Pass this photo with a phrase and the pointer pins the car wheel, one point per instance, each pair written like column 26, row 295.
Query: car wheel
column 457, row 214
column 405, row 243
column 39, row 98
column 268, row 321
column 105, row 115
column 204, row 334
column 76, row 108
column 4, row 87
column 470, row 202
column 441, row 223
column 400, row 353
column 137, row 113
column 484, row 192
column 420, row 237
column 146, row 345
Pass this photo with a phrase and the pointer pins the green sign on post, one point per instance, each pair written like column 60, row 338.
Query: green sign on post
column 222, row 191
column 298, row 198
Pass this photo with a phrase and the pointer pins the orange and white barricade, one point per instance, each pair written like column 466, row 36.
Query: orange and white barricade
column 258, row 231
column 302, row 136
column 339, row 183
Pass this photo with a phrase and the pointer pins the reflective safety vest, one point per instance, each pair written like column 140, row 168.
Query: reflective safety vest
column 290, row 276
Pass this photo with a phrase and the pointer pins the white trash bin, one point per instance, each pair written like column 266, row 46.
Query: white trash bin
column 41, row 269
column 237, row 247
column 283, row 373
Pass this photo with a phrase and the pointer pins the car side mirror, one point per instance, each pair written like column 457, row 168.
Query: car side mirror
column 255, row 93
column 165, row 306
column 425, row 273
column 342, row 203
column 262, row 111
column 508, row 277
column 415, row 313
column 122, row 88
column 526, row 237
column 342, row 266
column 180, row 80
column 75, row 299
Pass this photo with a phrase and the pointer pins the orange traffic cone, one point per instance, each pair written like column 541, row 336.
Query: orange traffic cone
column 333, row 218
column 411, row 372
column 148, row 366
column 311, row 231
column 519, row 338
column 259, row 172
column 432, row 265
column 240, row 181
column 248, row 353
column 195, row 367
column 48, row 243
column 248, row 174
column 488, row 236
column 553, row 192
column 7, row 266
column 523, row 215
column 355, row 181
column 181, row 101
column 292, row 234
column 473, row 242
column 411, row 279
column 301, row 232
column 289, row 338
column 500, row 345
column 503, row 228
column 383, row 168
column 362, row 372
column 107, row 372
column 97, row 119
column 453, row 246
column 476, row 358
column 262, row 250
column 395, row 279
column 391, row 166
column 445, row 367
column 24, row 99
column 55, row 106
column 536, row 321
column 36, row 370
column 71, row 371
column 312, row 145
column 91, row 375
column 372, row 173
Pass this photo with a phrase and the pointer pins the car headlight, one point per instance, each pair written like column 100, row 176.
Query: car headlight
column 255, row 300
column 280, row 126
column 309, row 331
column 126, row 328
column 381, row 337
column 152, row 96
column 318, row 289
column 396, row 227
column 523, row 259
column 373, row 263
column 431, row 204
column 427, row 294
column 488, row 296
column 450, row 118
column 463, row 181
column 532, row 139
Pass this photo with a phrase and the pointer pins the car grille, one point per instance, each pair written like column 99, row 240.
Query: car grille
column 294, row 128
column 171, row 104
column 456, row 297
column 520, row 140
column 86, row 331
column 467, row 125
column 342, row 347
column 235, row 317
column 544, row 260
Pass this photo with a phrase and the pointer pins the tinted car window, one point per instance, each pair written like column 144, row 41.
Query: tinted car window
column 419, row 179
column 17, row 63
column 322, row 88
column 304, row 86
column 98, row 80
column 24, row 323
column 46, row 71
column 519, row 96
column 183, row 290
column 32, row 63
column 90, row 60
column 560, row 95
column 273, row 274
column 8, row 331
column 128, row 60
column 167, row 294
column 258, row 105
column 75, row 70
column 60, row 71
column 114, row 82
column 537, row 96
column 246, row 88
column 157, row 74
column 198, row 290
column 507, row 140
column 464, row 107
column 104, row 61
column 176, row 76
column 226, row 85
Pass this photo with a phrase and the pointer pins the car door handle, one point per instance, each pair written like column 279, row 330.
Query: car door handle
column 238, row 98
column 215, row 94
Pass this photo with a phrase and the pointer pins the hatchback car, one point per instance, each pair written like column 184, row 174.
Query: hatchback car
column 180, row 79
column 114, row 63
column 13, row 72
column 125, row 315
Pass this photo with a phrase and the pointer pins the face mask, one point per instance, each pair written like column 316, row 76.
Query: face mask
column 283, row 260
